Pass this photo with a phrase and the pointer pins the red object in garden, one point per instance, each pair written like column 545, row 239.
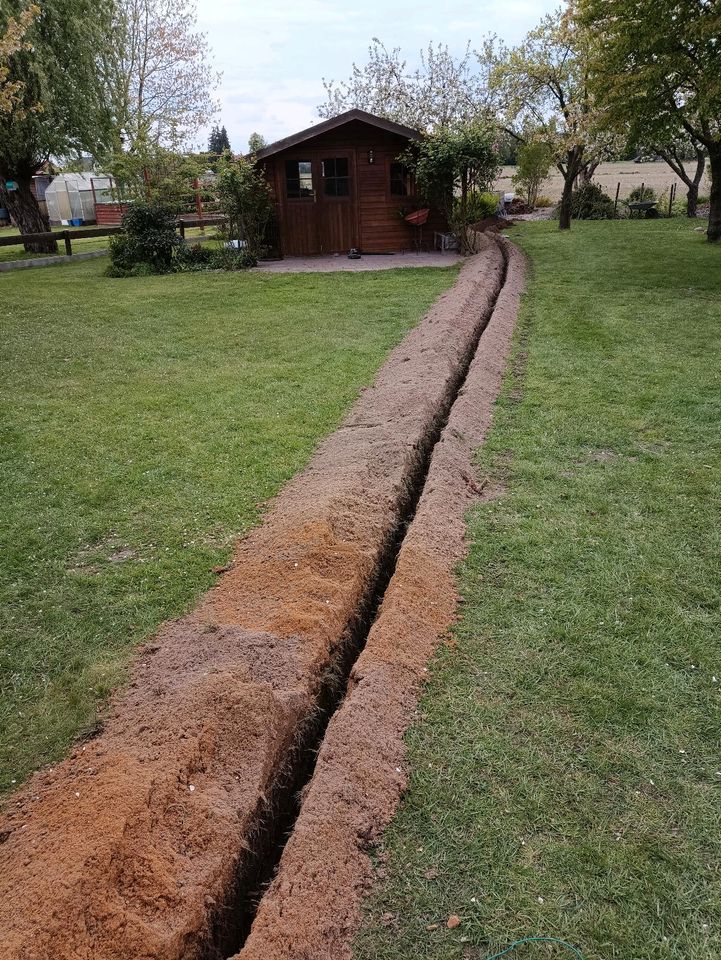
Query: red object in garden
column 418, row 217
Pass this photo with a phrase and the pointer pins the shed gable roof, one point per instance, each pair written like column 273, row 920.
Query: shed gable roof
column 389, row 126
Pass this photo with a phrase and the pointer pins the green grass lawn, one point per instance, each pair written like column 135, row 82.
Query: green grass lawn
column 566, row 766
column 144, row 423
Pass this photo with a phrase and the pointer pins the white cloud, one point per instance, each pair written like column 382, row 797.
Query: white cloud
column 274, row 55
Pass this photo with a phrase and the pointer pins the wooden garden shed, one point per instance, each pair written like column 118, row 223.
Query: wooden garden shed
column 340, row 185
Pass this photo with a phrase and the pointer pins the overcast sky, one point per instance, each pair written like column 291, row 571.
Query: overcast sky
column 274, row 54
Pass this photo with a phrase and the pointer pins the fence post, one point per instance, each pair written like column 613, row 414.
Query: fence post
column 68, row 247
column 670, row 199
column 615, row 202
column 199, row 204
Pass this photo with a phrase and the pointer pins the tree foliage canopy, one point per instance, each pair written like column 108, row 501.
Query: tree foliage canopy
column 450, row 164
column 245, row 199
column 534, row 162
column 159, row 79
column 218, row 141
column 656, row 68
column 442, row 93
column 542, row 85
column 59, row 107
column 11, row 41
column 256, row 142
column 656, row 63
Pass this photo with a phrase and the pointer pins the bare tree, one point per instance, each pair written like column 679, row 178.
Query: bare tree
column 160, row 80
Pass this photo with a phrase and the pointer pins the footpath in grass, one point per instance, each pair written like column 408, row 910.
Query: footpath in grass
column 144, row 423
column 566, row 762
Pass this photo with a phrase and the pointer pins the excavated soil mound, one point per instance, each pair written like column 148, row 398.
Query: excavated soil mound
column 139, row 845
column 312, row 907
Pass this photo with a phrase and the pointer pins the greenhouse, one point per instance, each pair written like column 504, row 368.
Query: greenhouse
column 71, row 198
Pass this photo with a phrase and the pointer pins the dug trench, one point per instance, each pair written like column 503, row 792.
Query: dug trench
column 155, row 839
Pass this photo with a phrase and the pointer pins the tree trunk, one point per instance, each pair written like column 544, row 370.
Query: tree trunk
column 692, row 194
column 588, row 171
column 714, row 218
column 26, row 214
column 570, row 171
column 564, row 213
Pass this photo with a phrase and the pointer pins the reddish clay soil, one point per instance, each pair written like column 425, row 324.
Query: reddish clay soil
column 312, row 908
column 136, row 846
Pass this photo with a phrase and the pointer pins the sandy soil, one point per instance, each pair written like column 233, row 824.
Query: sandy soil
column 141, row 843
column 312, row 908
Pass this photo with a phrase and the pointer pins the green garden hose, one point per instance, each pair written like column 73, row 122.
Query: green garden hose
column 517, row 943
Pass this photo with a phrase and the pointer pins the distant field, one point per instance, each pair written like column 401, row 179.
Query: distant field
column 628, row 174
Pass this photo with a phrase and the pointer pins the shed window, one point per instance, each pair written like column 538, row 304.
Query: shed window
column 400, row 180
column 298, row 179
column 336, row 179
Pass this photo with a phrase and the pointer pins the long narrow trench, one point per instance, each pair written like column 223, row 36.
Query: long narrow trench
column 256, row 869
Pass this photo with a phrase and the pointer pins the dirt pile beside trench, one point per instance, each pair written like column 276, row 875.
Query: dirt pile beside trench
column 137, row 845
column 312, row 908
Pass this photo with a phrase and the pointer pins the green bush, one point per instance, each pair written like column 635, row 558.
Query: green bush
column 589, row 202
column 121, row 255
column 228, row 259
column 149, row 244
column 479, row 206
column 148, row 240
column 190, row 259
column 534, row 162
column 639, row 194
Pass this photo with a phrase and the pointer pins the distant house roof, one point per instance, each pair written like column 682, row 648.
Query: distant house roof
column 380, row 122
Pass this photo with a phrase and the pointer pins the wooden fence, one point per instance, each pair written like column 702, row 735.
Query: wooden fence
column 67, row 236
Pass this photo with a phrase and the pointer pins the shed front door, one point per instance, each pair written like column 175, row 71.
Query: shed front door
column 300, row 235
column 319, row 203
column 337, row 202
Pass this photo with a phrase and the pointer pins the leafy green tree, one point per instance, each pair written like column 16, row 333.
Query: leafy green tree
column 451, row 165
column 156, row 173
column 218, row 142
column 11, row 41
column 542, row 85
column 59, row 106
column 656, row 64
column 534, row 162
column 256, row 142
column 676, row 151
column 245, row 199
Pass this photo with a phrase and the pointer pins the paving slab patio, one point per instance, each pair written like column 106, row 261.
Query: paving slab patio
column 329, row 264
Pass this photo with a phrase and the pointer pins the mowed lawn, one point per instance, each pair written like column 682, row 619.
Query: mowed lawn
column 566, row 764
column 144, row 423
